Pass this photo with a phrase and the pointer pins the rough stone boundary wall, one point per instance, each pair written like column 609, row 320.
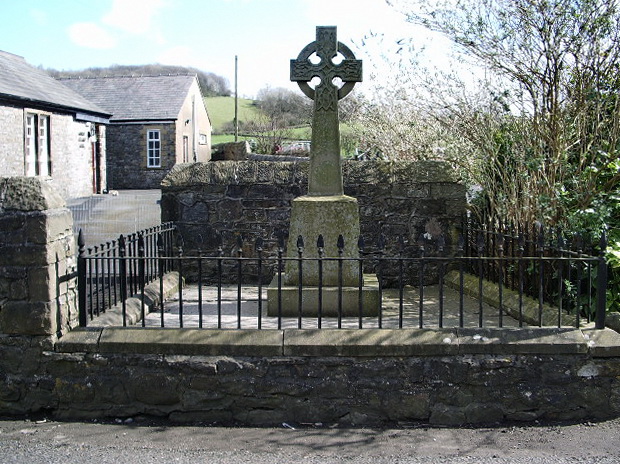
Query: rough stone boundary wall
column 37, row 259
column 352, row 377
column 348, row 377
column 38, row 301
column 252, row 199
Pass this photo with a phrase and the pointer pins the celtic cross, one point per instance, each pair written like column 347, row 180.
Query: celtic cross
column 325, row 176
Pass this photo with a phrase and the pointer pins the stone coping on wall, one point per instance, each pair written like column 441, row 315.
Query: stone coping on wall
column 183, row 176
column 342, row 342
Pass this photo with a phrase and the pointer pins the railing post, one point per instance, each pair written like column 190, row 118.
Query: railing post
column 540, row 248
column 360, row 293
column 81, row 269
column 160, row 270
column 180, row 245
column 481, row 249
column 500, row 276
column 97, row 286
column 601, row 284
column 122, row 252
column 220, row 257
column 259, row 253
column 441, row 243
column 380, row 253
column 401, row 280
column 461, row 281
column 280, row 266
column 300, row 254
column 340, row 245
column 320, row 244
column 141, row 276
column 239, row 277
column 421, row 271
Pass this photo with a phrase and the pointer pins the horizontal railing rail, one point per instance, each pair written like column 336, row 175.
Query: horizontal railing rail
column 579, row 282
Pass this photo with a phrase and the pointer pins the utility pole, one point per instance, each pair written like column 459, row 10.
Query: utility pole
column 236, row 105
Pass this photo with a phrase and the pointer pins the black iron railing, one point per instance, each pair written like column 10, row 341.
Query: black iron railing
column 549, row 265
column 558, row 278
column 110, row 272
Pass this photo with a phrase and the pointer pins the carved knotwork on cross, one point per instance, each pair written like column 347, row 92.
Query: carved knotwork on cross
column 326, row 94
column 325, row 176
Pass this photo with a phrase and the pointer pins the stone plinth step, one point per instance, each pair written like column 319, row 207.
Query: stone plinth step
column 330, row 300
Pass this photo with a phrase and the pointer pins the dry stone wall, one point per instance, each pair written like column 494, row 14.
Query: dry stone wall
column 218, row 202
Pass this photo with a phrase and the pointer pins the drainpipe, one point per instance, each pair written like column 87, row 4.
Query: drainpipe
column 194, row 128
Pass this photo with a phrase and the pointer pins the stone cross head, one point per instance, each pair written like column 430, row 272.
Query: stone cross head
column 325, row 175
column 327, row 47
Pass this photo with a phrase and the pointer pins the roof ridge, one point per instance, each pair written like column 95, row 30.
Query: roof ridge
column 127, row 76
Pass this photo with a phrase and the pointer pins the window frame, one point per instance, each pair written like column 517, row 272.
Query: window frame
column 37, row 144
column 153, row 148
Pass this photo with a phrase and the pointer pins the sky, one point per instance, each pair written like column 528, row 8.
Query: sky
column 205, row 34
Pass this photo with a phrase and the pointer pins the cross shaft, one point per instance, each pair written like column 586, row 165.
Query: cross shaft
column 325, row 176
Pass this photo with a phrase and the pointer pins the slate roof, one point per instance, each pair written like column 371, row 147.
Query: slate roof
column 136, row 98
column 24, row 82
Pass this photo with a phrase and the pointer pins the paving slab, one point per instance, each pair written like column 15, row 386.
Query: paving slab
column 440, row 310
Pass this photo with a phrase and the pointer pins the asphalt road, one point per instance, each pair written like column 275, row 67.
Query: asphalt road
column 139, row 441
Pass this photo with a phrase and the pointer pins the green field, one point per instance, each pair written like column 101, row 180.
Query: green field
column 222, row 110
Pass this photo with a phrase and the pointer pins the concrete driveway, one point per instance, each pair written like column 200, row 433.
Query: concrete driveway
column 104, row 217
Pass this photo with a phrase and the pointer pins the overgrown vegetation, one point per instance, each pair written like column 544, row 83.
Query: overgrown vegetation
column 536, row 126
column 211, row 84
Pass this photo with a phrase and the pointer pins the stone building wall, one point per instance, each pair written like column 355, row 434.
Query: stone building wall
column 72, row 160
column 12, row 136
column 127, row 155
column 251, row 199
column 70, row 150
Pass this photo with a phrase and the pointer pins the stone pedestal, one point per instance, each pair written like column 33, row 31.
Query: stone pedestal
column 289, row 300
column 329, row 216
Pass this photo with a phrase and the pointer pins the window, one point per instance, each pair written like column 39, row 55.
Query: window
column 185, row 149
column 38, row 160
column 153, row 149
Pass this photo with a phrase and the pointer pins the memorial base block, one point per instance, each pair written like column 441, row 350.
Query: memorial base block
column 330, row 296
column 330, row 217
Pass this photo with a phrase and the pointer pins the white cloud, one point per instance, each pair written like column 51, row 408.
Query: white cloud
column 91, row 35
column 181, row 55
column 38, row 16
column 134, row 16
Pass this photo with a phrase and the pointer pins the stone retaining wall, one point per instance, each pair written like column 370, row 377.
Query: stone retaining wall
column 251, row 199
column 349, row 377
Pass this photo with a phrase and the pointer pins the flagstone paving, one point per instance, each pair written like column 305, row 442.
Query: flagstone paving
column 248, row 307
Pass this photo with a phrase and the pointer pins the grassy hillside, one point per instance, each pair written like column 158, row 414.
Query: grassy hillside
column 222, row 110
